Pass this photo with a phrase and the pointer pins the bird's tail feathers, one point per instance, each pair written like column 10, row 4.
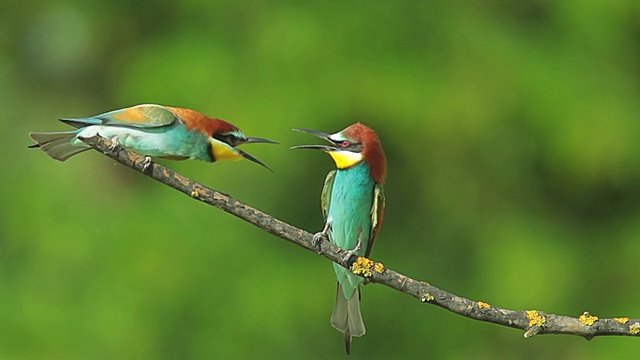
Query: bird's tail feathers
column 346, row 316
column 58, row 145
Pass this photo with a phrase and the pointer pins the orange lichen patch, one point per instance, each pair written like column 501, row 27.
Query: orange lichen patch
column 587, row 318
column 535, row 319
column 362, row 266
column 484, row 305
column 622, row 320
column 635, row 329
column 427, row 297
column 195, row 193
column 379, row 268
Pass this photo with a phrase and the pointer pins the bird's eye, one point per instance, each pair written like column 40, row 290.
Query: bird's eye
column 345, row 144
column 231, row 139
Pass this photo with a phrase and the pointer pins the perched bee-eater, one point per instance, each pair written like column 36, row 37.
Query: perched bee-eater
column 152, row 130
column 353, row 206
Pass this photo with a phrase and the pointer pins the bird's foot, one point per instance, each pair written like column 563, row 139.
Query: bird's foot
column 317, row 241
column 347, row 257
column 115, row 144
column 350, row 253
column 320, row 236
column 146, row 163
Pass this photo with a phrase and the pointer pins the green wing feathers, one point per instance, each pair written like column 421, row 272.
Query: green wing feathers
column 140, row 116
column 155, row 114
column 325, row 197
column 377, row 215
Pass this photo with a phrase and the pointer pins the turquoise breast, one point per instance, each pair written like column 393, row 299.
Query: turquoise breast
column 350, row 216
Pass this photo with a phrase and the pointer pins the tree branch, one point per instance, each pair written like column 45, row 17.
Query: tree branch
column 532, row 322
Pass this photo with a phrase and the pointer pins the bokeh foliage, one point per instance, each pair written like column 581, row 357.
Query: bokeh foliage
column 511, row 130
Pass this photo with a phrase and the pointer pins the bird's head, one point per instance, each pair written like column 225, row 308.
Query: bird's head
column 351, row 146
column 224, row 139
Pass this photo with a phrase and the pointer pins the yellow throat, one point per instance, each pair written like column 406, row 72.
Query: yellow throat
column 345, row 159
column 222, row 151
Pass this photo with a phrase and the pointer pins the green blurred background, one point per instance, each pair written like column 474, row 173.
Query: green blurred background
column 511, row 130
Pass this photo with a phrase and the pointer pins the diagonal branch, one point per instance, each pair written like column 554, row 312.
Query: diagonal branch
column 533, row 322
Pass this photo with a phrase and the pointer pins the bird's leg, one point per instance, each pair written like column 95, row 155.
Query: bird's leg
column 146, row 163
column 115, row 143
column 319, row 236
column 352, row 252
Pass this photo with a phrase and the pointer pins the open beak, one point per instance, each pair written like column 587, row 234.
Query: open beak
column 252, row 158
column 319, row 134
column 259, row 140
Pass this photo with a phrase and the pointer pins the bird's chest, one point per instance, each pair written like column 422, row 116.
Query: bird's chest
column 350, row 207
column 172, row 141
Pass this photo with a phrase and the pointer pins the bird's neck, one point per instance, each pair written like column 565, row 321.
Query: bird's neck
column 358, row 174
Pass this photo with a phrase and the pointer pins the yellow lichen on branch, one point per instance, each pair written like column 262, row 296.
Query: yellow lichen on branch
column 587, row 318
column 427, row 297
column 362, row 266
column 535, row 319
column 483, row 305
column 622, row 320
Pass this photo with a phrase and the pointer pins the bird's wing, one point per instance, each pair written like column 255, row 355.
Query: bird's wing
column 377, row 214
column 140, row 116
column 325, row 198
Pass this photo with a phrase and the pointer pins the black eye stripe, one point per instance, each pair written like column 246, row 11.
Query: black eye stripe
column 229, row 138
column 349, row 145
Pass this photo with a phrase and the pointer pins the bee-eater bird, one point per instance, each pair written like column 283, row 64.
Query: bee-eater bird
column 353, row 206
column 152, row 130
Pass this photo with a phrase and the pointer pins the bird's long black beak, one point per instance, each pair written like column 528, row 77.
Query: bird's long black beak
column 319, row 134
column 252, row 158
column 259, row 140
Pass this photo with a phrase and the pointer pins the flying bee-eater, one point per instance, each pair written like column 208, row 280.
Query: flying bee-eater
column 352, row 204
column 154, row 131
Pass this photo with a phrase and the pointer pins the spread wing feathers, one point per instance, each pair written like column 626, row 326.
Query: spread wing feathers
column 377, row 215
column 140, row 116
column 325, row 198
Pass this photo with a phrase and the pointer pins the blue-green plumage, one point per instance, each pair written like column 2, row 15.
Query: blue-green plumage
column 172, row 141
column 152, row 130
column 350, row 216
column 352, row 204
column 353, row 207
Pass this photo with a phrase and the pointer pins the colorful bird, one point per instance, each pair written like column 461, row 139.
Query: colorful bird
column 353, row 206
column 152, row 130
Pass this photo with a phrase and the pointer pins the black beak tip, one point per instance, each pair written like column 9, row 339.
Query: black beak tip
column 254, row 159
